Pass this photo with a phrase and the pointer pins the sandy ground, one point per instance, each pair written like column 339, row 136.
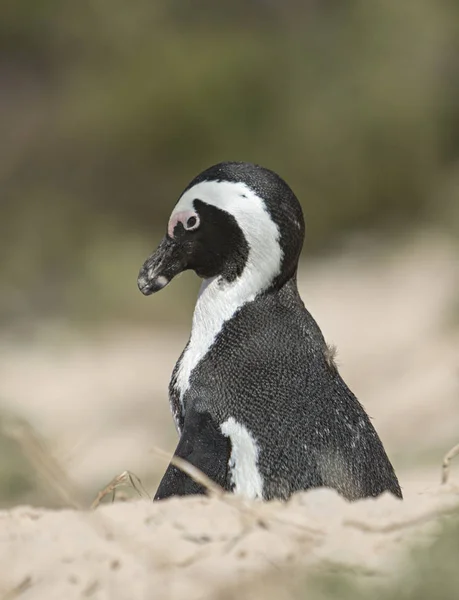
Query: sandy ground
column 102, row 405
column 196, row 547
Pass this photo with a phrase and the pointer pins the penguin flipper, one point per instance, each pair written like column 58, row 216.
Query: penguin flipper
column 203, row 445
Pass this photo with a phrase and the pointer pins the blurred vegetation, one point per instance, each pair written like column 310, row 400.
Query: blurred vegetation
column 431, row 573
column 17, row 480
column 33, row 472
column 108, row 109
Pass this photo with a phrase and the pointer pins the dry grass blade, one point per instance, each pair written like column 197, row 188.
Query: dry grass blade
column 138, row 486
column 40, row 457
column 130, row 479
column 18, row 589
column 126, row 478
column 192, row 471
column 445, row 468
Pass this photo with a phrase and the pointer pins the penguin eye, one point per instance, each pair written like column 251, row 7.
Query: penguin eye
column 192, row 223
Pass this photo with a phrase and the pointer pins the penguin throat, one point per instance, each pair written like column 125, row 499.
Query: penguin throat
column 218, row 301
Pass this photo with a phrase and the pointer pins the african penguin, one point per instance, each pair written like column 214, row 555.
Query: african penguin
column 258, row 402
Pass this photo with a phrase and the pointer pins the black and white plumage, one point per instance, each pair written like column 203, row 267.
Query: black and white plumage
column 258, row 402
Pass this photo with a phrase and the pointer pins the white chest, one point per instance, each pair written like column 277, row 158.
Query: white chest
column 218, row 301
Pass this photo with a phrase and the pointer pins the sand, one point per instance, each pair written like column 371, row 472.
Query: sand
column 196, row 547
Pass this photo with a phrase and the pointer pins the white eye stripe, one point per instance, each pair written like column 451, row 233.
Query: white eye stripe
column 188, row 218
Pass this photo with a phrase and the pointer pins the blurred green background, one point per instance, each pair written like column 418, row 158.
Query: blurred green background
column 109, row 108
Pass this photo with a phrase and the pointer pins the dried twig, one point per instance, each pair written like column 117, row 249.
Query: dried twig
column 445, row 467
column 24, row 585
column 125, row 478
column 197, row 475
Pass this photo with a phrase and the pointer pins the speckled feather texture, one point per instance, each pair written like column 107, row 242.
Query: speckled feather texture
column 257, row 398
column 269, row 365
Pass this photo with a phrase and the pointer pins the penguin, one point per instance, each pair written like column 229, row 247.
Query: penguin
column 257, row 399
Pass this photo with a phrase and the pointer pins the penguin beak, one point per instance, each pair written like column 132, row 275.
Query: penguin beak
column 161, row 267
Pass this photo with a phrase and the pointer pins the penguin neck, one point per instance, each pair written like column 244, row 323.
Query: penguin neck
column 288, row 292
column 218, row 301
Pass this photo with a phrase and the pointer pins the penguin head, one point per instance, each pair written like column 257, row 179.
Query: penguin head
column 235, row 222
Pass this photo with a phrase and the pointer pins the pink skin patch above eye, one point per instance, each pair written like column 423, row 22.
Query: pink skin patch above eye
column 181, row 217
